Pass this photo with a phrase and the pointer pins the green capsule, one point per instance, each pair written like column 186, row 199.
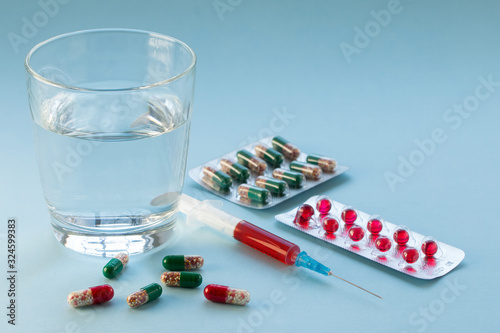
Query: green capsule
column 309, row 170
column 115, row 265
column 144, row 295
column 234, row 169
column 275, row 186
column 292, row 178
column 253, row 193
column 269, row 155
column 251, row 161
column 219, row 177
column 181, row 279
column 286, row 148
column 325, row 163
column 181, row 262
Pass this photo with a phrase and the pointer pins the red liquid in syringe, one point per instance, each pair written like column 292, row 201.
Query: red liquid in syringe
column 266, row 242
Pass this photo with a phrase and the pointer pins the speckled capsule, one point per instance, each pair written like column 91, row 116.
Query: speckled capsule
column 275, row 186
column 309, row 170
column 181, row 279
column 269, row 155
column 219, row 177
column 115, row 265
column 144, row 295
column 254, row 193
column 325, row 163
column 234, row 169
column 286, row 148
column 181, row 262
column 292, row 178
column 91, row 296
column 251, row 161
column 224, row 294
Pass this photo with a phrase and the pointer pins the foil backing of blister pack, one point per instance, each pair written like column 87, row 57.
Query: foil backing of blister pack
column 425, row 268
column 197, row 174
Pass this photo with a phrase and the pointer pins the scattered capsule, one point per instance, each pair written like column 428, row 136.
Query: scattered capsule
column 251, row 161
column 144, row 295
column 181, row 279
column 349, row 215
column 292, row 178
column 181, row 262
column 275, row 186
column 308, row 170
column 90, row 296
column 224, row 294
column 234, row 169
column 115, row 265
column 286, row 148
column 269, row 155
column 253, row 193
column 304, row 214
column 326, row 164
column 219, row 177
column 356, row 233
column 410, row 255
column 323, row 204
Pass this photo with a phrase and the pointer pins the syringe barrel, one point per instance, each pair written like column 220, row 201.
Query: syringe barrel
column 266, row 242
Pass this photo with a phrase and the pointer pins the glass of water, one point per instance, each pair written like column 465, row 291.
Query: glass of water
column 111, row 115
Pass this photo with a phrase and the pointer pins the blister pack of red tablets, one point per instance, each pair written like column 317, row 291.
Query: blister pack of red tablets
column 265, row 173
column 370, row 236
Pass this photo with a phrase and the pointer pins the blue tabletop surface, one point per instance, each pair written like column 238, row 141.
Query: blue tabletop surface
column 406, row 93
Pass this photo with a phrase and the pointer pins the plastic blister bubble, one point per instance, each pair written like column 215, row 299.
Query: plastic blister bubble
column 267, row 165
column 409, row 258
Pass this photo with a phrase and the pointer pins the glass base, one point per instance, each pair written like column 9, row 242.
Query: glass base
column 108, row 243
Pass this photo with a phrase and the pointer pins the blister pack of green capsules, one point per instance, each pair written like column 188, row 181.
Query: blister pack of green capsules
column 265, row 173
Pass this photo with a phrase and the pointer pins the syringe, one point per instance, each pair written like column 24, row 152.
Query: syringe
column 251, row 235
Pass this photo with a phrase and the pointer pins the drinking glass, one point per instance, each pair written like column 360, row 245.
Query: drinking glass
column 111, row 113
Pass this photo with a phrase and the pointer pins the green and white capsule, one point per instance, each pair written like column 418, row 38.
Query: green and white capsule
column 181, row 262
column 234, row 169
column 275, row 186
column 181, row 279
column 325, row 163
column 309, row 170
column 269, row 155
column 251, row 161
column 144, row 295
column 292, row 178
column 217, row 176
column 115, row 265
column 254, row 193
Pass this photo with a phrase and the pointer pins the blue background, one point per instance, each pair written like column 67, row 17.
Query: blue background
column 258, row 60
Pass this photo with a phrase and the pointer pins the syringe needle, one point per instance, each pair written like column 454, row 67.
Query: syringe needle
column 338, row 277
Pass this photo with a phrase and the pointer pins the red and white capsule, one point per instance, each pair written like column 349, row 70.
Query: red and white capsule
column 91, row 296
column 223, row 294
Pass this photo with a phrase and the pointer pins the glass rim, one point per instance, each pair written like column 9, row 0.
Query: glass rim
column 43, row 79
